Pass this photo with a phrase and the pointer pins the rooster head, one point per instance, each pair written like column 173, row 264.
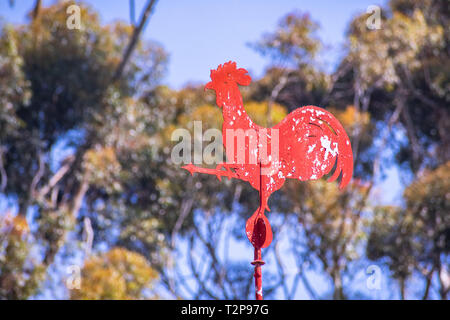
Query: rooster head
column 226, row 78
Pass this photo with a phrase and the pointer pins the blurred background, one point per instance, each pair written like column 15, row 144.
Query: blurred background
column 91, row 206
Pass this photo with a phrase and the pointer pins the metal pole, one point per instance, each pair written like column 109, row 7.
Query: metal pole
column 257, row 259
column 258, row 262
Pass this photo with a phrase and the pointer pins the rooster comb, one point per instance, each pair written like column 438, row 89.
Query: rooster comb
column 229, row 71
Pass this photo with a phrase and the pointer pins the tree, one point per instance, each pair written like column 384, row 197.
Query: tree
column 398, row 74
column 416, row 239
column 59, row 90
column 398, row 71
column 118, row 274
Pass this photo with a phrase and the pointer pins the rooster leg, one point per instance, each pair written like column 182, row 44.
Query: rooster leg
column 227, row 172
column 217, row 171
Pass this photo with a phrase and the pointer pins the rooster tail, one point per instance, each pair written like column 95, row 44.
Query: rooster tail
column 345, row 154
column 345, row 157
column 344, row 163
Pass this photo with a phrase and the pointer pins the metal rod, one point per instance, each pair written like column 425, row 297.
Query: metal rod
column 257, row 259
column 258, row 262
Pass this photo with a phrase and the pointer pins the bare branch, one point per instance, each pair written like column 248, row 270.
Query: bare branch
column 416, row 92
column 186, row 207
column 334, row 82
column 89, row 236
column 392, row 120
column 78, row 199
column 428, row 280
column 37, row 177
column 279, row 262
column 3, row 175
column 37, row 9
column 444, row 281
column 56, row 177
column 415, row 145
column 134, row 39
column 275, row 93
column 200, row 281
column 281, row 271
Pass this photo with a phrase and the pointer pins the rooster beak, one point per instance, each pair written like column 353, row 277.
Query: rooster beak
column 209, row 85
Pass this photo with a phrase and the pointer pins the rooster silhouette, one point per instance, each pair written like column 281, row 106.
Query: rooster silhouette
column 307, row 144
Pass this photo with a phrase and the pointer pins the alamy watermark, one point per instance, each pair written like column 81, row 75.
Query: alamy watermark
column 73, row 281
column 373, row 22
column 74, row 19
column 242, row 146
column 373, row 281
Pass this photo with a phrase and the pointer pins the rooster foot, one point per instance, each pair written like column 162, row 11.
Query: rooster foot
column 190, row 167
column 226, row 173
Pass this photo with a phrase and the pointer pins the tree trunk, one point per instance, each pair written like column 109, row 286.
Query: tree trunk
column 338, row 293
column 402, row 289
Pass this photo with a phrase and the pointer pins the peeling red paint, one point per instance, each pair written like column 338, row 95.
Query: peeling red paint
column 308, row 142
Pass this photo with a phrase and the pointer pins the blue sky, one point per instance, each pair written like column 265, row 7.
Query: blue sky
column 199, row 35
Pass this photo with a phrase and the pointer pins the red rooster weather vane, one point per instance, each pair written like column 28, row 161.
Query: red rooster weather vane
column 305, row 145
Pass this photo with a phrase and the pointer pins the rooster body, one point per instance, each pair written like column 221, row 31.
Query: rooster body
column 305, row 145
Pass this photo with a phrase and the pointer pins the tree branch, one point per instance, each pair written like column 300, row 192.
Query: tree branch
column 3, row 175
column 195, row 272
column 275, row 93
column 89, row 236
column 56, row 177
column 37, row 177
column 36, row 10
column 134, row 39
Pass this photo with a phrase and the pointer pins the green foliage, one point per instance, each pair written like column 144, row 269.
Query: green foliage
column 20, row 277
column 57, row 92
column 405, row 66
column 294, row 40
column 332, row 226
column 14, row 88
column 416, row 238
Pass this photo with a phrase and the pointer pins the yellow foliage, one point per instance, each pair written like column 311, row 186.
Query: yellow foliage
column 351, row 116
column 98, row 159
column 102, row 166
column 20, row 226
column 258, row 112
column 16, row 226
column 355, row 122
column 211, row 116
column 118, row 274
column 431, row 192
column 399, row 42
